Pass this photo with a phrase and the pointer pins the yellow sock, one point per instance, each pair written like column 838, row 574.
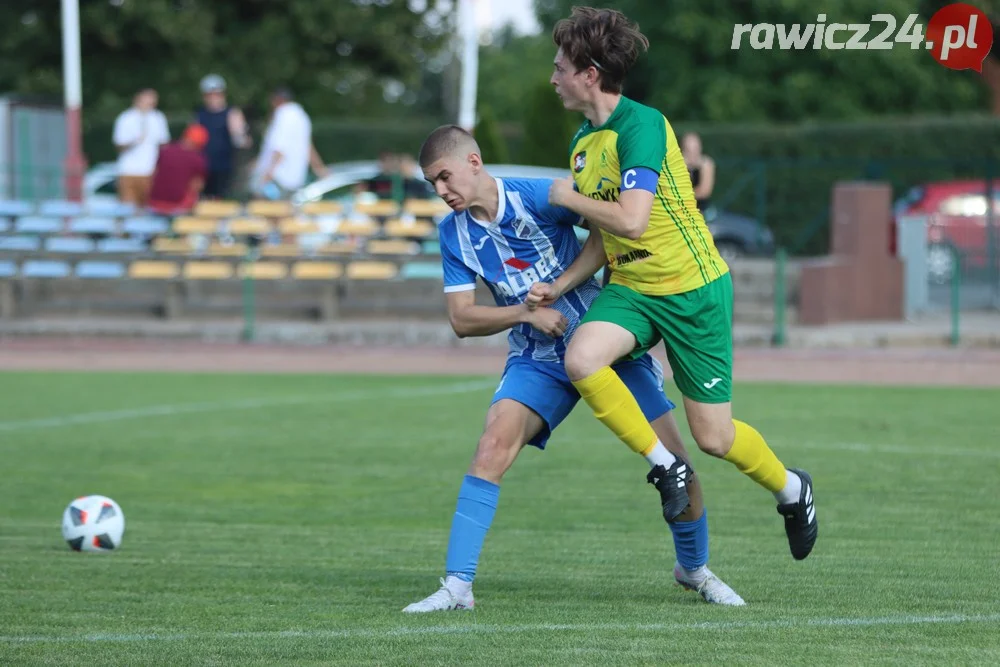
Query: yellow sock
column 617, row 409
column 751, row 455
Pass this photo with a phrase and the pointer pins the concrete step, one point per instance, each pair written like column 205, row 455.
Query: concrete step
column 762, row 269
column 754, row 280
column 760, row 313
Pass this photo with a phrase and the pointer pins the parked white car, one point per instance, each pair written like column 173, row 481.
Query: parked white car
column 100, row 183
column 344, row 175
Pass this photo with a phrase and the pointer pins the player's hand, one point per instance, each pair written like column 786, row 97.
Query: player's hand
column 549, row 321
column 560, row 191
column 540, row 294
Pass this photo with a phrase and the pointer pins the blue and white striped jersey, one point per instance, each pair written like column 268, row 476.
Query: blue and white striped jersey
column 529, row 241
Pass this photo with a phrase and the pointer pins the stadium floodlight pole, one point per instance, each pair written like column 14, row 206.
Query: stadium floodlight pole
column 470, row 64
column 75, row 163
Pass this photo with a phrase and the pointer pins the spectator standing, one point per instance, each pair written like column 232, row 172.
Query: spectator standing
column 180, row 173
column 227, row 131
column 138, row 134
column 286, row 151
column 701, row 168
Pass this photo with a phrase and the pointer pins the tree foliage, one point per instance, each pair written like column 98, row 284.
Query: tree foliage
column 691, row 71
column 548, row 128
column 509, row 67
column 488, row 137
column 357, row 57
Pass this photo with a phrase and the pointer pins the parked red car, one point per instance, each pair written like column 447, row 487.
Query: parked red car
column 958, row 219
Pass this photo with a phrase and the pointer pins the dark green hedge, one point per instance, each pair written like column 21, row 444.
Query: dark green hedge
column 785, row 174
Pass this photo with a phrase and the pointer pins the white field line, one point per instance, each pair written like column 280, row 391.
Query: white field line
column 104, row 417
column 365, row 633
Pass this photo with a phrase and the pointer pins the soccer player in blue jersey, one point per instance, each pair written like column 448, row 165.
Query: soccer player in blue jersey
column 505, row 233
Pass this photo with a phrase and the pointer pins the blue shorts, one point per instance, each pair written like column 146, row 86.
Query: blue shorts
column 545, row 388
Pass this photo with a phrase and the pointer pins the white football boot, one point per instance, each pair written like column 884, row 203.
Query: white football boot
column 454, row 595
column 704, row 582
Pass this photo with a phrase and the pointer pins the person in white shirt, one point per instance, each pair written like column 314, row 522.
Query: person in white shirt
column 287, row 150
column 139, row 132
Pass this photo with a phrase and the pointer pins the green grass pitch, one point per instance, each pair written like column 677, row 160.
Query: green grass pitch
column 279, row 520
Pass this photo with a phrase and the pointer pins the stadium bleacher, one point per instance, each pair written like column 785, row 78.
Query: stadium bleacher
column 311, row 257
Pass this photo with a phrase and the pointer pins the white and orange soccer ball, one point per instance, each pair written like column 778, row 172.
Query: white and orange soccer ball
column 93, row 523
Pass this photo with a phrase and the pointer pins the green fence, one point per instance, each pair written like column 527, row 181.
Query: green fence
column 792, row 196
column 32, row 182
column 963, row 253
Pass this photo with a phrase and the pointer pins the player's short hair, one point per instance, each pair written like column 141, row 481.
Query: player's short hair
column 602, row 38
column 446, row 140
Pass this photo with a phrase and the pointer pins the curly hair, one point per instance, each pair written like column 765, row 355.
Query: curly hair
column 602, row 38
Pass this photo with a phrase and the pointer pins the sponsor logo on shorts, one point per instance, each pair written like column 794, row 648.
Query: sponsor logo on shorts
column 709, row 385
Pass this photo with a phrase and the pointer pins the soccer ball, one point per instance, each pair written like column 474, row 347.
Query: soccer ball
column 93, row 523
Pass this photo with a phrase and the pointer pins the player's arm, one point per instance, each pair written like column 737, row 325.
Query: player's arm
column 469, row 319
column 628, row 217
column 641, row 151
column 590, row 260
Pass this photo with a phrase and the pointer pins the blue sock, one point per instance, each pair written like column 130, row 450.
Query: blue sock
column 691, row 541
column 477, row 503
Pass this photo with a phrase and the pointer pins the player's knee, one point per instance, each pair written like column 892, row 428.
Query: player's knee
column 494, row 454
column 715, row 437
column 583, row 361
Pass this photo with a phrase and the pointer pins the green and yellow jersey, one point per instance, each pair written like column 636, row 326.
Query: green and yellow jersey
column 676, row 254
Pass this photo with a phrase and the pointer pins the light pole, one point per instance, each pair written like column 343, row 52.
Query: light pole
column 470, row 64
column 75, row 164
